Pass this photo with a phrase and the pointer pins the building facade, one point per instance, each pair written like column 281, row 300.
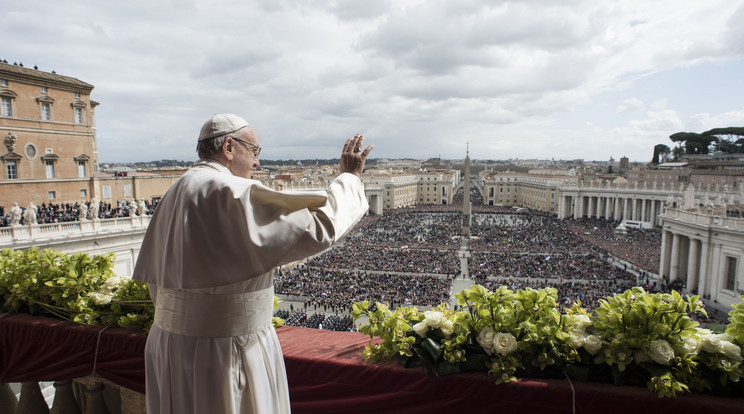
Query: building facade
column 704, row 251
column 435, row 187
column 47, row 124
column 535, row 191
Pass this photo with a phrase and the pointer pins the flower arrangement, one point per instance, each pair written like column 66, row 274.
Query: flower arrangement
column 636, row 338
column 76, row 287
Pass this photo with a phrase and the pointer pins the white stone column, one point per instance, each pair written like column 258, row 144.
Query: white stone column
column 714, row 282
column 616, row 214
column 608, row 208
column 626, row 206
column 590, row 207
column 674, row 261
column 703, row 274
column 643, row 210
column 664, row 256
column 692, row 265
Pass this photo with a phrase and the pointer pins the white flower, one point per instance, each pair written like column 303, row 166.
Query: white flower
column 99, row 298
column 485, row 339
column 582, row 321
column 114, row 282
column 433, row 318
column 690, row 345
column 504, row 343
column 727, row 337
column 731, row 350
column 711, row 343
column 447, row 327
column 577, row 337
column 661, row 352
column 421, row 328
column 592, row 344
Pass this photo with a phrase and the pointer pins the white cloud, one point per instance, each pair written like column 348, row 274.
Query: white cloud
column 631, row 105
column 516, row 79
column 705, row 121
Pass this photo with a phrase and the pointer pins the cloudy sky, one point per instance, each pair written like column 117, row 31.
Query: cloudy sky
column 560, row 79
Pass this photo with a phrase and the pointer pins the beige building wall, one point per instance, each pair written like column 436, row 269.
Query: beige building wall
column 400, row 190
column 533, row 191
column 435, row 188
column 150, row 187
column 47, row 125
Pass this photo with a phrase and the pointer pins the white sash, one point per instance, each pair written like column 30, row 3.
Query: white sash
column 214, row 316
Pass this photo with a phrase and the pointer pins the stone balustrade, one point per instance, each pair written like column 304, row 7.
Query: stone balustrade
column 705, row 219
column 69, row 228
column 87, row 395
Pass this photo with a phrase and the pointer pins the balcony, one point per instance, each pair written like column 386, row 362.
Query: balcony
column 25, row 236
column 99, row 370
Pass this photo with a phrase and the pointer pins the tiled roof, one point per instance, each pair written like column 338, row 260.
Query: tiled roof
column 38, row 75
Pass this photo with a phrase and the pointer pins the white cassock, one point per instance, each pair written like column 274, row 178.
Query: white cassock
column 208, row 256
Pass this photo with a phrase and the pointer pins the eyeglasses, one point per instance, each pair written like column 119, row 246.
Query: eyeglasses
column 256, row 148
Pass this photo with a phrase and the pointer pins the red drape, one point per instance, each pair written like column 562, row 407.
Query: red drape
column 326, row 375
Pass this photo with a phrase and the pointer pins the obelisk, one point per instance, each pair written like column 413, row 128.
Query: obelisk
column 467, row 209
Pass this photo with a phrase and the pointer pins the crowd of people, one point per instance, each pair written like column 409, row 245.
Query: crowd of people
column 641, row 247
column 47, row 213
column 410, row 257
column 336, row 290
column 560, row 267
column 342, row 323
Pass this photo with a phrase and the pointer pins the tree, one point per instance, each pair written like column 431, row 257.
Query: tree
column 661, row 152
column 733, row 142
column 694, row 143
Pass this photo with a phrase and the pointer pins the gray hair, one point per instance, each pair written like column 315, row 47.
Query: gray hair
column 210, row 147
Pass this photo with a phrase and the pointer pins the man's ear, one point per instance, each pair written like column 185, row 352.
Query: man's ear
column 228, row 149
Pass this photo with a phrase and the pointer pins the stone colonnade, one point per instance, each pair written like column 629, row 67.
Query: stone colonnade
column 683, row 257
column 612, row 206
column 704, row 252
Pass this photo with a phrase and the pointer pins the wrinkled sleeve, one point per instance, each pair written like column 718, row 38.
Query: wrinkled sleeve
column 343, row 206
column 214, row 230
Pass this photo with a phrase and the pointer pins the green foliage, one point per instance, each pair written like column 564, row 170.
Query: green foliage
column 277, row 322
column 730, row 131
column 735, row 327
column 660, row 151
column 518, row 330
column 76, row 287
column 694, row 143
column 632, row 338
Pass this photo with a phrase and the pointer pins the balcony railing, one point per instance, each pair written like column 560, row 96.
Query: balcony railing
column 324, row 369
column 19, row 234
column 705, row 219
